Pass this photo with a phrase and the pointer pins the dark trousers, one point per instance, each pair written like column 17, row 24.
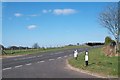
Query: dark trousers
column 86, row 63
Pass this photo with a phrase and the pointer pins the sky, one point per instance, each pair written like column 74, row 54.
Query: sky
column 59, row 0
column 52, row 23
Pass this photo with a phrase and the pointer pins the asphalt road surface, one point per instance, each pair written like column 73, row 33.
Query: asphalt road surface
column 45, row 65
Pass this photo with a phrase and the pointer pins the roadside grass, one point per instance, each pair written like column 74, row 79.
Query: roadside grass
column 32, row 51
column 98, row 63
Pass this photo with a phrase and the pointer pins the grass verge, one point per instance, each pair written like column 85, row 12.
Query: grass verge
column 98, row 63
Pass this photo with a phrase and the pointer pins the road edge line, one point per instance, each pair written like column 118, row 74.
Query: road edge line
column 7, row 68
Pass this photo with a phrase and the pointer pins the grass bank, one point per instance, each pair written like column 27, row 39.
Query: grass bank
column 32, row 51
column 98, row 63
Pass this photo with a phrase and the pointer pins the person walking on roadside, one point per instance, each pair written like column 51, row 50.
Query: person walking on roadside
column 75, row 54
column 86, row 58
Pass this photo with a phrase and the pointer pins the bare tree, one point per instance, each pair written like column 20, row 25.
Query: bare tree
column 110, row 19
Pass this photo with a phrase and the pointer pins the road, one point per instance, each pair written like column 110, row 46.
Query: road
column 45, row 65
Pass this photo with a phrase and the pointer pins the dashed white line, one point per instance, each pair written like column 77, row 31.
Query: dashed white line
column 65, row 56
column 58, row 57
column 42, row 61
column 18, row 66
column 38, row 62
column 7, row 68
column 29, row 64
column 51, row 59
column 39, row 56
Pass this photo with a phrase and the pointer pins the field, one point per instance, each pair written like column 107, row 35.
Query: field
column 32, row 51
column 98, row 63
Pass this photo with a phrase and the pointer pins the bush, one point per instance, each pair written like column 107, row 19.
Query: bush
column 108, row 40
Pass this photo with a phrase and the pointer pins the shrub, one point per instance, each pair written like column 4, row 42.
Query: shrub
column 108, row 40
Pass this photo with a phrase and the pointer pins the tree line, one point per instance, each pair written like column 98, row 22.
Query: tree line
column 35, row 46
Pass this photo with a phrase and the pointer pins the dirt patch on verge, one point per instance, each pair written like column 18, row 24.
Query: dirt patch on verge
column 87, row 72
column 110, row 51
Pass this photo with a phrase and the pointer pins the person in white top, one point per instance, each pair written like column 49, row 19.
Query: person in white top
column 86, row 58
column 75, row 54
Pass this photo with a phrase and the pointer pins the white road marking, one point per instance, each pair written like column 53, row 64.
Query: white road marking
column 7, row 68
column 58, row 52
column 29, row 64
column 39, row 56
column 65, row 56
column 42, row 61
column 58, row 57
column 38, row 62
column 51, row 59
column 29, row 57
column 18, row 66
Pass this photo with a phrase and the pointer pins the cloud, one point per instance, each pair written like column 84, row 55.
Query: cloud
column 18, row 14
column 64, row 11
column 30, row 27
column 33, row 15
column 60, row 11
column 47, row 11
column 44, row 11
